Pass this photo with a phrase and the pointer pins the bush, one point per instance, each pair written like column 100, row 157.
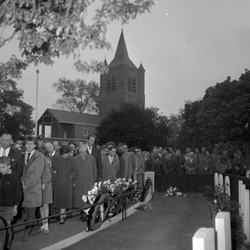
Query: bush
column 221, row 202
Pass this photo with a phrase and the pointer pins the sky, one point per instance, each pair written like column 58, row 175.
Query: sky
column 185, row 47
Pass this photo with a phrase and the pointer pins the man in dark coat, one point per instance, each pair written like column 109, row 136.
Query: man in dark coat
column 15, row 155
column 85, row 167
column 125, row 162
column 92, row 150
column 179, row 162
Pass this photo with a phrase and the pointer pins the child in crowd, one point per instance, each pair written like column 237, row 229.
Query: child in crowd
column 10, row 195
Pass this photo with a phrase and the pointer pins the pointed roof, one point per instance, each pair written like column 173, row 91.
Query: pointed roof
column 141, row 67
column 121, row 54
column 105, row 62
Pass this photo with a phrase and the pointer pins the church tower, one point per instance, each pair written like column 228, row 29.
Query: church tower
column 124, row 82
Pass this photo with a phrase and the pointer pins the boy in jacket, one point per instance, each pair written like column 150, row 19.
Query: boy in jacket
column 10, row 195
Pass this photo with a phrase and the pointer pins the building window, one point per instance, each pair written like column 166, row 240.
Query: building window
column 133, row 89
column 113, row 83
column 129, row 83
column 85, row 132
column 108, row 84
column 64, row 134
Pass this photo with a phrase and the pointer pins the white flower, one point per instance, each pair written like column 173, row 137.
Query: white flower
column 89, row 192
column 124, row 179
column 104, row 183
column 129, row 180
column 84, row 198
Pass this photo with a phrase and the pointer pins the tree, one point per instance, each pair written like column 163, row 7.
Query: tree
column 20, row 123
column 136, row 126
column 221, row 116
column 8, row 71
column 175, row 124
column 224, row 112
column 77, row 96
column 191, row 132
column 49, row 29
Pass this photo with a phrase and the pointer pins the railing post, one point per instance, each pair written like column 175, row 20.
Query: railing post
column 204, row 239
column 223, row 229
column 151, row 175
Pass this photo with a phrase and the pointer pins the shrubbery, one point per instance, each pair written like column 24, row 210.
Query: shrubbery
column 221, row 202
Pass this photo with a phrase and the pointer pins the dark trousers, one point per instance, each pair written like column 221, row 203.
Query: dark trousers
column 30, row 215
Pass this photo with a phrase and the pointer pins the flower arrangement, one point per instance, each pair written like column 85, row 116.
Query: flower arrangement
column 118, row 187
column 173, row 192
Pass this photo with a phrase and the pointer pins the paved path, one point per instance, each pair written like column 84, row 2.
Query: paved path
column 169, row 225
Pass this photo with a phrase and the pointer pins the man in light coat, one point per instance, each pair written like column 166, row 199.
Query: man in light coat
column 32, row 184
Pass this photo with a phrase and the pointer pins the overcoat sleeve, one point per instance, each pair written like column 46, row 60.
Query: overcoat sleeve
column 35, row 172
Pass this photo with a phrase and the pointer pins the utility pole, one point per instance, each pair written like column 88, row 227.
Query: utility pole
column 37, row 73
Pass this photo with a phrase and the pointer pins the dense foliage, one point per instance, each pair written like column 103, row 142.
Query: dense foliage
column 222, row 115
column 221, row 202
column 136, row 126
column 49, row 29
column 20, row 122
column 77, row 96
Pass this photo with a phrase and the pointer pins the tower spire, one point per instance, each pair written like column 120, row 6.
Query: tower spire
column 121, row 54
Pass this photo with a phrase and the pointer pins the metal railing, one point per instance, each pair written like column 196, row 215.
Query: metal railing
column 123, row 205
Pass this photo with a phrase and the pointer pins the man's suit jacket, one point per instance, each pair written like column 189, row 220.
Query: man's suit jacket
column 125, row 166
column 16, row 162
column 110, row 170
column 97, row 155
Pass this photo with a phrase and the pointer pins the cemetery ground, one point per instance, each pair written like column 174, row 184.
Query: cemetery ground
column 170, row 225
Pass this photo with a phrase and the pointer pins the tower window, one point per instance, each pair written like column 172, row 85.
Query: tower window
column 129, row 83
column 108, row 84
column 113, row 83
column 133, row 89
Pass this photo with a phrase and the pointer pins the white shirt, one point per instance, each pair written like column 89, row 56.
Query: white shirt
column 89, row 148
column 6, row 151
column 110, row 159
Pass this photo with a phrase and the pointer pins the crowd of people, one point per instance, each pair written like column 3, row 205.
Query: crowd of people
column 169, row 161
column 51, row 177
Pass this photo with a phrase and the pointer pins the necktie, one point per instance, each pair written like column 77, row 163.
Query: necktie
column 28, row 157
column 4, row 152
column 110, row 160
